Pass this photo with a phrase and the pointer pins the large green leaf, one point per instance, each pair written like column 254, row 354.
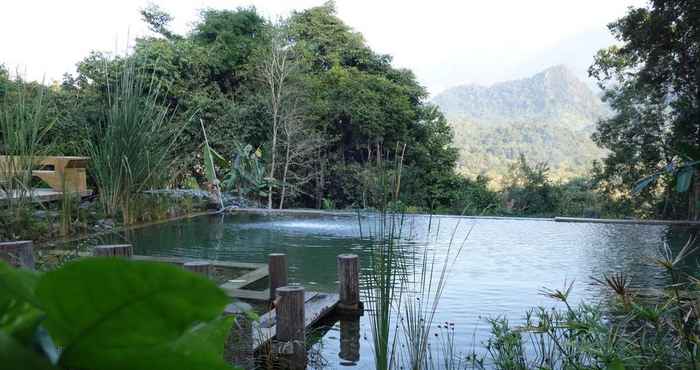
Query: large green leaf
column 683, row 179
column 118, row 314
column 15, row 355
column 17, row 285
column 199, row 348
column 209, row 170
column 205, row 339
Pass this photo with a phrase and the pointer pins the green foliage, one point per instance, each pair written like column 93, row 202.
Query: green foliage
column 111, row 314
column 247, row 175
column 131, row 149
column 651, row 81
column 24, row 121
column 529, row 190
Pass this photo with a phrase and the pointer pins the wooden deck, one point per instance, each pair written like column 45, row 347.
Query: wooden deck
column 316, row 306
column 44, row 195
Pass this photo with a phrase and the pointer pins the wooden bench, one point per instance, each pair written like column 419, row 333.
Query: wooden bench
column 55, row 171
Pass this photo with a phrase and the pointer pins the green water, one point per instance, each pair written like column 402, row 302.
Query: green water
column 499, row 271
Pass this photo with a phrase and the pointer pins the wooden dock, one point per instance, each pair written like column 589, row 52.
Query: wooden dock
column 280, row 331
column 316, row 306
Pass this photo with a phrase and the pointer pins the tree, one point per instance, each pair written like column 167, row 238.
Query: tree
column 302, row 147
column 529, row 190
column 652, row 81
column 158, row 20
column 275, row 68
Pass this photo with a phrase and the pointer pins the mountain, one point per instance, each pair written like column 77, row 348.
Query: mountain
column 548, row 117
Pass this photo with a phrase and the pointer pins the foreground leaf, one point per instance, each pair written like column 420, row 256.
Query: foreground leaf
column 17, row 284
column 15, row 355
column 107, row 312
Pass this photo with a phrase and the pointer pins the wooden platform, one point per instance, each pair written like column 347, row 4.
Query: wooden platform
column 316, row 306
column 234, row 287
column 44, row 195
column 257, row 335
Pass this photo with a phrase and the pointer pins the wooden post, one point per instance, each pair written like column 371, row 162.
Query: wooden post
column 277, row 268
column 18, row 253
column 199, row 267
column 117, row 250
column 238, row 350
column 350, row 340
column 349, row 283
column 290, row 329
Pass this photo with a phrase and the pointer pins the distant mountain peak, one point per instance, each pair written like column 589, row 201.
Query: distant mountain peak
column 548, row 117
column 552, row 95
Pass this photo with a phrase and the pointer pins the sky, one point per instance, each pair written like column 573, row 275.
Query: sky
column 445, row 42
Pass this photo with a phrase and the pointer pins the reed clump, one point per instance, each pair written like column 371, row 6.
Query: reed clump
column 131, row 150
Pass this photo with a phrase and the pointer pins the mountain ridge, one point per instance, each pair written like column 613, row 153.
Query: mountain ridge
column 547, row 96
column 548, row 117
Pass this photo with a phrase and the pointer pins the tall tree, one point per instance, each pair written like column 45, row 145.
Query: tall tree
column 652, row 81
column 276, row 65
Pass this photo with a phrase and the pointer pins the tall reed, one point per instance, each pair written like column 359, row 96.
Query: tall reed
column 131, row 151
column 24, row 122
column 404, row 287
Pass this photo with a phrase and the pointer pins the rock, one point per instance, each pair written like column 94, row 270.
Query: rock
column 43, row 215
column 106, row 223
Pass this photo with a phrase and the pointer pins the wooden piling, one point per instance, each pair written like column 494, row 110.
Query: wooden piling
column 290, row 331
column 117, row 250
column 349, row 283
column 199, row 267
column 277, row 269
column 18, row 253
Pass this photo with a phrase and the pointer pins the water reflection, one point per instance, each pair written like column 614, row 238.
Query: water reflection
column 349, row 341
column 501, row 267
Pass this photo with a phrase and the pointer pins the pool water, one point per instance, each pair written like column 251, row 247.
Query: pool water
column 501, row 267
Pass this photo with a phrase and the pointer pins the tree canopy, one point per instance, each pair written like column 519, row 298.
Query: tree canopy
column 652, row 82
column 344, row 95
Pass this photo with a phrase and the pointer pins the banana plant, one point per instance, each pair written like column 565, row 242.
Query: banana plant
column 683, row 172
column 211, row 160
column 247, row 175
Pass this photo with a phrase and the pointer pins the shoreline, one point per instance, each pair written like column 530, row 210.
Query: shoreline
column 503, row 218
column 341, row 213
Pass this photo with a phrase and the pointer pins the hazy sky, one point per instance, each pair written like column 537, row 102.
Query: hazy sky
column 445, row 42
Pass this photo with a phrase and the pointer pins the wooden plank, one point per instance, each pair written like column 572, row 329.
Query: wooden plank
column 253, row 295
column 316, row 306
column 246, row 279
column 179, row 260
column 41, row 195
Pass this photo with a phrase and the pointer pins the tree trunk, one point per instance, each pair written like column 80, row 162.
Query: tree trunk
column 271, row 177
column 284, row 177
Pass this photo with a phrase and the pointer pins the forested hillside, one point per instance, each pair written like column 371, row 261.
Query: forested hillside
column 548, row 117
column 305, row 101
